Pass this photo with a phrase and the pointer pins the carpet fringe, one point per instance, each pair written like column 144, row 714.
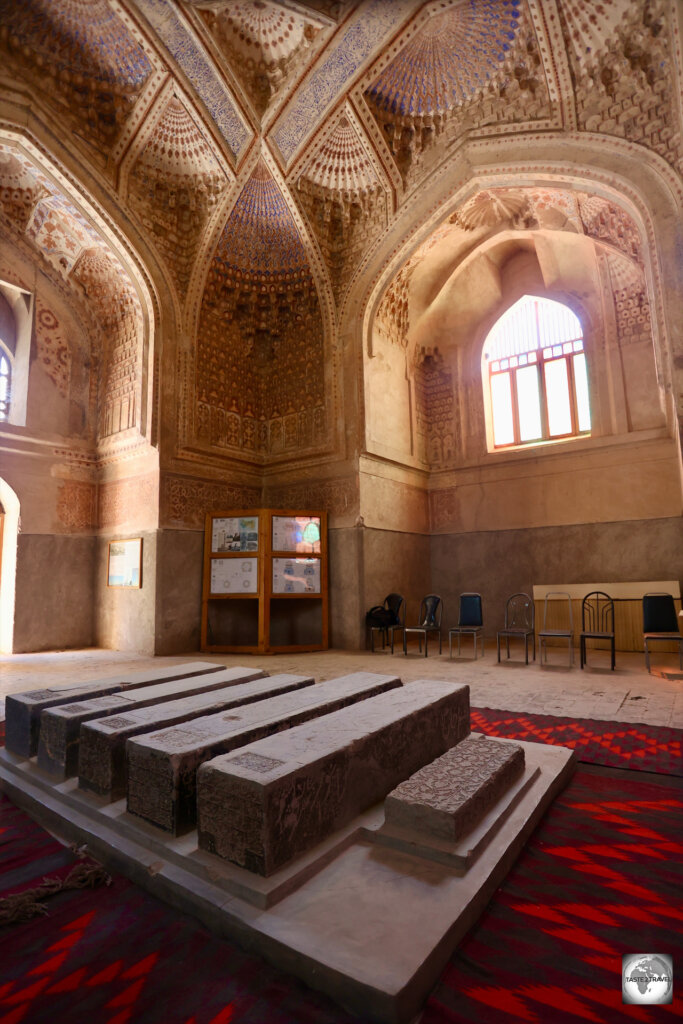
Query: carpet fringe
column 22, row 906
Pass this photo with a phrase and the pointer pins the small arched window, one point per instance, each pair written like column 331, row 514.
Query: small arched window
column 537, row 374
column 5, row 385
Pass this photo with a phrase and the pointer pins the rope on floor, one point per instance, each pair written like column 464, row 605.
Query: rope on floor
column 22, row 906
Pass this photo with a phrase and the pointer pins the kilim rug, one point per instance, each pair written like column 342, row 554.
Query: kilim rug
column 600, row 878
column 616, row 744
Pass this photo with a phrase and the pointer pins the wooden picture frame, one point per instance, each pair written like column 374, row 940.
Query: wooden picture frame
column 124, row 563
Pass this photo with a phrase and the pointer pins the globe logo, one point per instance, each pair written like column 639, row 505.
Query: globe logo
column 647, row 978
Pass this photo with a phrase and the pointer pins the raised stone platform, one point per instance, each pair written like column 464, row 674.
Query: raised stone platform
column 23, row 710
column 370, row 915
column 60, row 726
column 162, row 766
column 102, row 743
column 275, row 799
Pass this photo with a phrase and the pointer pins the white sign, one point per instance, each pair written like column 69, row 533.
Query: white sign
column 234, row 533
column 234, row 576
column 296, row 575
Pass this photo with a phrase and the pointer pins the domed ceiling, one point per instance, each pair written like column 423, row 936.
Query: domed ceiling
column 262, row 150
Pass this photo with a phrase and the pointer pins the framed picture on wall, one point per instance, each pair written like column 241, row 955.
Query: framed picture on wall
column 124, row 565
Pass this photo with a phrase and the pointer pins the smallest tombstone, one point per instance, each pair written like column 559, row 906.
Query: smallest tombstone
column 450, row 796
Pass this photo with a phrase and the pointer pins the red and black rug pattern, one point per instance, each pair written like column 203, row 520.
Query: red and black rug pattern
column 602, row 877
column 645, row 748
column 599, row 878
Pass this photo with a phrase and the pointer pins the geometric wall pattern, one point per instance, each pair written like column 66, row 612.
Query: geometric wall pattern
column 259, row 357
column 160, row 105
column 35, row 211
column 442, row 404
column 345, row 197
column 263, row 44
column 468, row 67
column 622, row 66
column 174, row 185
column 92, row 75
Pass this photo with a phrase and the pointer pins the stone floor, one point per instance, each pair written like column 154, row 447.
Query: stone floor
column 629, row 694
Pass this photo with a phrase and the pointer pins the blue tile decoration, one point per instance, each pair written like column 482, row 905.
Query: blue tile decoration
column 260, row 240
column 355, row 45
column 103, row 49
column 449, row 60
column 200, row 71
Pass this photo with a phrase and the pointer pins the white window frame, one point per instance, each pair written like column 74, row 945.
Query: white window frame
column 504, row 353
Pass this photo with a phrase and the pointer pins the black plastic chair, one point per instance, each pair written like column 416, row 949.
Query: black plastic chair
column 429, row 622
column 660, row 622
column 549, row 633
column 470, row 623
column 519, row 623
column 597, row 622
column 395, row 604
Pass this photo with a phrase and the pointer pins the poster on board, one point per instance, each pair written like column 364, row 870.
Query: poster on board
column 296, row 533
column 296, row 575
column 234, row 533
column 234, row 576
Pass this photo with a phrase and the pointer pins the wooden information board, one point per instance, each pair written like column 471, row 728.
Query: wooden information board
column 265, row 581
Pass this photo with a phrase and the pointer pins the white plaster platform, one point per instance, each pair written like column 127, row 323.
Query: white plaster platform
column 370, row 916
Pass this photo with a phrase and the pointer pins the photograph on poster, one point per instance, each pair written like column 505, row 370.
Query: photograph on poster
column 124, row 563
column 234, row 533
column 234, row 576
column 297, row 533
column 296, row 575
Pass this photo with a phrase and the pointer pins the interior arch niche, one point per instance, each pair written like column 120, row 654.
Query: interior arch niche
column 49, row 219
column 425, row 404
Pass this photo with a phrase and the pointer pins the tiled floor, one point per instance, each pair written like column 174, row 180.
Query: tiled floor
column 629, row 694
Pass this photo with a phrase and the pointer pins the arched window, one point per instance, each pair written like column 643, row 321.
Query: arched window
column 5, row 385
column 537, row 374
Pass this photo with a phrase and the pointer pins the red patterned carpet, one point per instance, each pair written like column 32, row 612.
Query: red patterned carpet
column 646, row 748
column 601, row 877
